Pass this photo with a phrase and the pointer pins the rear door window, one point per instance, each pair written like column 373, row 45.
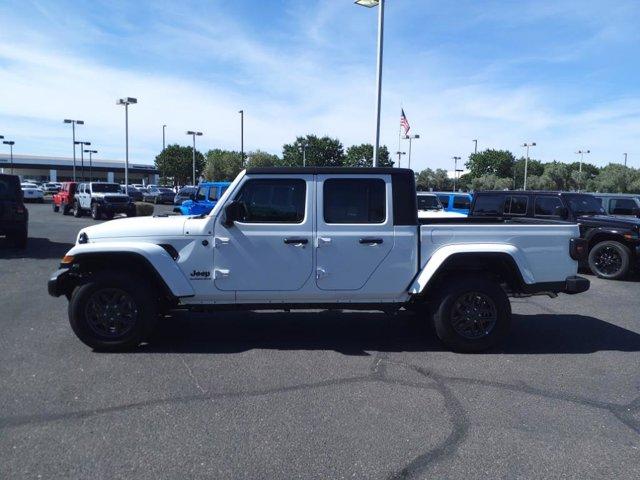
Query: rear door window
column 516, row 205
column 461, row 201
column 489, row 205
column 356, row 200
column 623, row 206
column 546, row 206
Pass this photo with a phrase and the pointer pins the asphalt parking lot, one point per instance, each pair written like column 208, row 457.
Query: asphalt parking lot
column 314, row 395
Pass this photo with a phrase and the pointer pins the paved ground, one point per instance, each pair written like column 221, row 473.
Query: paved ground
column 314, row 395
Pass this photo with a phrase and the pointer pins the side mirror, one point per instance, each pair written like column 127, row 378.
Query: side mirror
column 233, row 212
column 562, row 212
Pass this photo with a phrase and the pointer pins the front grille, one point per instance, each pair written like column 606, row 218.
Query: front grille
column 113, row 199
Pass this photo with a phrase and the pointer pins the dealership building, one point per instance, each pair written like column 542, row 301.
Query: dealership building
column 60, row 169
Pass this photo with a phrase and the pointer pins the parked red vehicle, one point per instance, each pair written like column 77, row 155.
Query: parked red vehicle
column 64, row 198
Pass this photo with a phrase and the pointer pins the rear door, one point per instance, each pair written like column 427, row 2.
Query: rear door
column 354, row 229
column 271, row 248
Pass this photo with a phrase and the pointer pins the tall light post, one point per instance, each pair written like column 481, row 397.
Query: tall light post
column 455, row 172
column 399, row 153
column 526, row 162
column 164, row 127
column 625, row 159
column 475, row 145
column 410, row 138
column 241, row 112
column 73, row 129
column 380, row 5
column 82, row 145
column 304, row 154
column 126, row 102
column 11, row 143
column 90, row 163
column 581, row 153
column 194, row 135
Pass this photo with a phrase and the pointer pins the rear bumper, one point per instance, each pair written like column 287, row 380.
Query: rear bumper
column 576, row 284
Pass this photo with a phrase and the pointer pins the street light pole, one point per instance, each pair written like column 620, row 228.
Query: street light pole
column 164, row 127
column 241, row 112
column 625, row 159
column 526, row 162
column 581, row 153
column 380, row 5
column 73, row 129
column 410, row 137
column 126, row 102
column 475, row 146
column 90, row 163
column 193, row 166
column 455, row 172
column 399, row 153
column 11, row 143
column 82, row 145
column 304, row 154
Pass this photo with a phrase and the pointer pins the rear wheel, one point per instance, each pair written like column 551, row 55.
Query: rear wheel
column 472, row 314
column 20, row 238
column 56, row 208
column 610, row 259
column 113, row 311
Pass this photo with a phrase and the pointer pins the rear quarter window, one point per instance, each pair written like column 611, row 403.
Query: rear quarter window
column 444, row 199
column 546, row 206
column 461, row 201
column 490, row 205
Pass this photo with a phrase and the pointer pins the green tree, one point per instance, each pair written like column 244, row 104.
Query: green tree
column 222, row 165
column 534, row 168
column 437, row 180
column 320, row 152
column 262, row 159
column 558, row 175
column 491, row 162
column 616, row 178
column 362, row 156
column 175, row 162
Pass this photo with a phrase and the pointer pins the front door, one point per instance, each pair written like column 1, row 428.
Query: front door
column 355, row 229
column 271, row 248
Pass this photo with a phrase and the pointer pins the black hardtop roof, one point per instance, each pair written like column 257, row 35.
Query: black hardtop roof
column 531, row 192
column 624, row 195
column 329, row 170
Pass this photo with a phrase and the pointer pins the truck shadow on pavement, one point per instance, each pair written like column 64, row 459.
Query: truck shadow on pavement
column 38, row 248
column 358, row 333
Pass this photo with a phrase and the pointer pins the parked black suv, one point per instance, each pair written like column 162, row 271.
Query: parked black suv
column 614, row 242
column 14, row 217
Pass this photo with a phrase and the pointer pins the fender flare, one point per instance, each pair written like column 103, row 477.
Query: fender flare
column 440, row 257
column 155, row 257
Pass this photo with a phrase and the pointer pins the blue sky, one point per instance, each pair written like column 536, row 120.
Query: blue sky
column 561, row 73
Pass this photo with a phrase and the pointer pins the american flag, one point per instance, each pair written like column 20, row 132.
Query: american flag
column 404, row 123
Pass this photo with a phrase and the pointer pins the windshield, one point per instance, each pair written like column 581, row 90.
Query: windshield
column 429, row 202
column 585, row 205
column 8, row 188
column 106, row 188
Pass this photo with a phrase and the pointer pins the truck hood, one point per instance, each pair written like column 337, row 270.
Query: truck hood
column 108, row 194
column 124, row 228
column 609, row 221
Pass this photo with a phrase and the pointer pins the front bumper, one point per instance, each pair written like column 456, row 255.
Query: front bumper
column 59, row 282
column 576, row 284
column 116, row 207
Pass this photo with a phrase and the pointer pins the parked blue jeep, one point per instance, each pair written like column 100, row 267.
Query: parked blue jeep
column 204, row 199
column 455, row 201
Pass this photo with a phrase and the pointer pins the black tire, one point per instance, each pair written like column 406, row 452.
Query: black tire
column 77, row 211
column 95, row 211
column 131, row 212
column 56, row 208
column 109, row 215
column 137, row 310
column 610, row 260
column 65, row 209
column 41, row 200
column 155, row 200
column 472, row 314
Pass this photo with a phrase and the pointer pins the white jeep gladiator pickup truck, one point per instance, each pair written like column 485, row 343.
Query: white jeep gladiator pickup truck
column 314, row 238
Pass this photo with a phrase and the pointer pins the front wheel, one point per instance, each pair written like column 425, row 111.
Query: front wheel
column 77, row 211
column 113, row 311
column 610, row 260
column 65, row 208
column 95, row 211
column 472, row 314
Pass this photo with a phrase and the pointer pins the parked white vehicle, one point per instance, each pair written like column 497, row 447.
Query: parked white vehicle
column 31, row 192
column 286, row 238
column 429, row 206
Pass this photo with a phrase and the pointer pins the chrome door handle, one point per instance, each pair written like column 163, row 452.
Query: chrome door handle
column 296, row 242
column 320, row 272
column 371, row 241
column 221, row 273
column 220, row 241
column 323, row 241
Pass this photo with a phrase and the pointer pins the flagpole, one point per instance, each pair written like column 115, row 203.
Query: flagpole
column 400, row 136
